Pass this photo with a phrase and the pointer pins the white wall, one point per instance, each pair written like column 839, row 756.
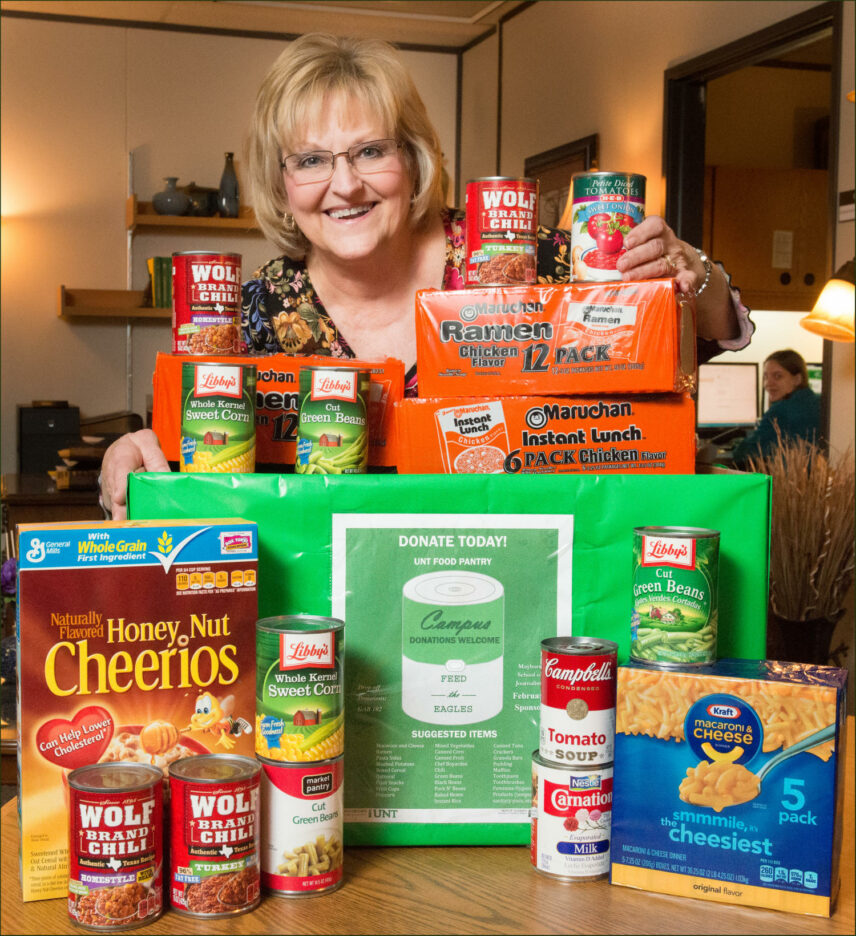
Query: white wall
column 76, row 99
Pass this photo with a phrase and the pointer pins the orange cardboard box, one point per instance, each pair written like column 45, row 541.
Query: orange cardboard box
column 616, row 337
column 277, row 402
column 552, row 435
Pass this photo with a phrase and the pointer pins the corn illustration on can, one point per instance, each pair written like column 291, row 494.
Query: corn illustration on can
column 218, row 417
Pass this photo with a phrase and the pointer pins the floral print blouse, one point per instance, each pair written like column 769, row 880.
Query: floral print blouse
column 281, row 311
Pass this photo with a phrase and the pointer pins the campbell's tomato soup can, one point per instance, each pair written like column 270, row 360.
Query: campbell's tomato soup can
column 571, row 821
column 578, row 700
column 302, row 817
column 502, row 231
column 115, row 845
column 214, row 835
column 206, row 303
column 606, row 205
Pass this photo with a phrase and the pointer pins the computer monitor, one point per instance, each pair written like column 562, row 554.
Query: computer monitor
column 727, row 394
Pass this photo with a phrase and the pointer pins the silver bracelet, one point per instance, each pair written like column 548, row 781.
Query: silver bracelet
column 707, row 271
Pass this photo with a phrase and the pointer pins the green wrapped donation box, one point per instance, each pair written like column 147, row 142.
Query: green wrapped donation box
column 447, row 586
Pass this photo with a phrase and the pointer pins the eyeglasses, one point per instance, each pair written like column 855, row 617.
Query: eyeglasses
column 318, row 166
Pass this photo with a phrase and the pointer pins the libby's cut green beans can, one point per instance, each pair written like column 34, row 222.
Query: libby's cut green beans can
column 675, row 600
column 333, row 425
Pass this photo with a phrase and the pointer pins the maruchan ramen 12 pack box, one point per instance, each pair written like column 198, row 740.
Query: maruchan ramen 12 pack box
column 729, row 782
column 136, row 641
column 547, row 435
column 604, row 338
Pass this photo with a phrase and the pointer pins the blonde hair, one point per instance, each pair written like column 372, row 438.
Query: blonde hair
column 311, row 69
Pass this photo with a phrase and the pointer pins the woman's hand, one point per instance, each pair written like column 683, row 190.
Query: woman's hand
column 653, row 250
column 132, row 452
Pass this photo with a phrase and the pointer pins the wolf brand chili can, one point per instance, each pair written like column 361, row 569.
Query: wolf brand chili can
column 571, row 821
column 606, row 205
column 302, row 814
column 502, row 231
column 206, row 303
column 578, row 700
column 675, row 596
column 115, row 845
column 218, row 417
column 214, row 805
column 332, row 429
column 299, row 688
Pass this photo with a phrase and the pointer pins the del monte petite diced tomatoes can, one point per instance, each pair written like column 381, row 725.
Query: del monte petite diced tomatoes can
column 606, row 205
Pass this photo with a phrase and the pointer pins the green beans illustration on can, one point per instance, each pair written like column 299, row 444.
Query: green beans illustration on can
column 675, row 600
column 332, row 430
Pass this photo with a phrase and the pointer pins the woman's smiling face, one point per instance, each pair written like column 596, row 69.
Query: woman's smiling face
column 778, row 381
column 349, row 217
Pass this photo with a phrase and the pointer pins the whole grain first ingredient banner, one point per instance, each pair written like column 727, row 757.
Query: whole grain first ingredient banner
column 443, row 688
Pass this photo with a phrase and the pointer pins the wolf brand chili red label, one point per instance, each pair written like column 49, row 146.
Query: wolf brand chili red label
column 578, row 700
column 675, row 596
column 214, row 805
column 572, row 820
column 115, row 845
column 606, row 205
column 332, row 429
column 502, row 231
column 218, row 417
column 302, row 814
column 299, row 688
column 206, row 303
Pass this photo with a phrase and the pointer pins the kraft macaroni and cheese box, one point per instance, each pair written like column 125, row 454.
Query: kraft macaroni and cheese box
column 729, row 783
column 136, row 641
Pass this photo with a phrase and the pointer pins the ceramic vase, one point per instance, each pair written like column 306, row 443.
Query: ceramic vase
column 171, row 201
column 227, row 194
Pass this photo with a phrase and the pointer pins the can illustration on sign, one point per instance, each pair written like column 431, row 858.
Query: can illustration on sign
column 218, row 417
column 299, row 688
column 452, row 647
column 675, row 611
column 606, row 205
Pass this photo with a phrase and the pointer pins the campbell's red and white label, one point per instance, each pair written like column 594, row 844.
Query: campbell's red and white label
column 677, row 552
column 332, row 384
column 297, row 651
column 577, row 701
column 573, row 820
column 116, row 847
column 219, row 379
column 302, row 822
column 214, row 835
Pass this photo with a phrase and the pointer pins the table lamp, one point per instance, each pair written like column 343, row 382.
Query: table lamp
column 832, row 315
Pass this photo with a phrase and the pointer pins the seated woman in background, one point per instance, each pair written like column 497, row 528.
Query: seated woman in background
column 794, row 408
column 346, row 180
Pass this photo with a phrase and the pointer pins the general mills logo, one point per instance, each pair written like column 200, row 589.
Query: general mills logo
column 36, row 552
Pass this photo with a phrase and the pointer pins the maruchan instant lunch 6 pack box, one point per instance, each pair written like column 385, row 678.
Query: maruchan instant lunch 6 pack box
column 729, row 782
column 538, row 435
column 605, row 338
column 136, row 642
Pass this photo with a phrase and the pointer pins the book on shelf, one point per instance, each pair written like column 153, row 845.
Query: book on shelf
column 160, row 273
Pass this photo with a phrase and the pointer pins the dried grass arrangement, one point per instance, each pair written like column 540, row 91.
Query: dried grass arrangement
column 812, row 530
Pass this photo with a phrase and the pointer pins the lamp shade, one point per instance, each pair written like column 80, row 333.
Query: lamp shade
column 832, row 315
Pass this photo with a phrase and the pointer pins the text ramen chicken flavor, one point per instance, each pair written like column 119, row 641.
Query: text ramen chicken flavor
column 135, row 644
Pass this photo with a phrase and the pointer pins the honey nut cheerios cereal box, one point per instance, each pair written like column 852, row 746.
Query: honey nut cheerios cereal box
column 729, row 783
column 136, row 641
column 540, row 435
column 619, row 337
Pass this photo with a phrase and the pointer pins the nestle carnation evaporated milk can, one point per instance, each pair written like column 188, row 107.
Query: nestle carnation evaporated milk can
column 452, row 647
column 675, row 581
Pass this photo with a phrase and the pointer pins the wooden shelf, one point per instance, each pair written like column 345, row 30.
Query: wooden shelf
column 142, row 215
column 106, row 303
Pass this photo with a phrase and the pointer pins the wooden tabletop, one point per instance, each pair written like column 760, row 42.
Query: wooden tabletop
column 459, row 890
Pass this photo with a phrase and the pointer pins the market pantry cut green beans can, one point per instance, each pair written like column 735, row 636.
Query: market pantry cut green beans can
column 675, row 579
column 332, row 430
